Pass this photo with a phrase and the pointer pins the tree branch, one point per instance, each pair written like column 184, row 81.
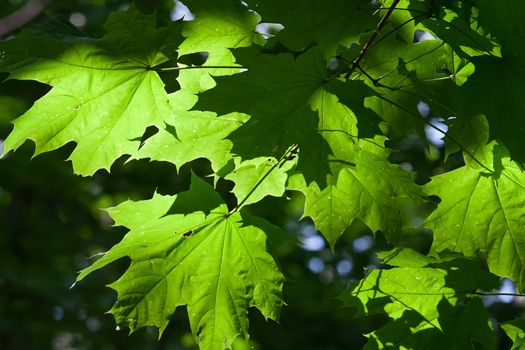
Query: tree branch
column 368, row 44
column 24, row 15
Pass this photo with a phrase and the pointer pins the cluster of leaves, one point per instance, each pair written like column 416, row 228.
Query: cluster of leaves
column 316, row 108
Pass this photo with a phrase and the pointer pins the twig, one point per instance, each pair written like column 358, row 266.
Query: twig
column 445, row 134
column 396, row 28
column 485, row 294
column 23, row 16
column 368, row 44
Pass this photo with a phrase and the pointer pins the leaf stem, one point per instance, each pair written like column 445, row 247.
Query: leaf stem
column 396, row 28
column 445, row 134
column 169, row 69
column 288, row 155
column 410, row 112
column 453, row 25
column 405, row 63
column 498, row 294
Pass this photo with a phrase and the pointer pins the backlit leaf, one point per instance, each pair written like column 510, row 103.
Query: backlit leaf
column 213, row 264
column 105, row 92
column 481, row 213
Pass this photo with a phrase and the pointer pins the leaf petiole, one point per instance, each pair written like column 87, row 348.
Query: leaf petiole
column 169, row 69
column 289, row 154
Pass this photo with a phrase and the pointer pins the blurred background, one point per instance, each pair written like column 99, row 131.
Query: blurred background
column 51, row 222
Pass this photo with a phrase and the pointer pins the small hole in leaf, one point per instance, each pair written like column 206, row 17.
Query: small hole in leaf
column 421, row 35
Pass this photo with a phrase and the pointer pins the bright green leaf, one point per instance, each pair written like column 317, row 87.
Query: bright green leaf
column 213, row 263
column 414, row 287
column 218, row 27
column 464, row 327
column 105, row 92
column 380, row 194
column 190, row 135
column 257, row 178
column 515, row 329
column 481, row 213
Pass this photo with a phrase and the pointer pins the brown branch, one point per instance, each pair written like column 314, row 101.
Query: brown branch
column 368, row 44
column 26, row 14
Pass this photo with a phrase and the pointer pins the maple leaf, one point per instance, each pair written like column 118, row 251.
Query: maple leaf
column 188, row 136
column 377, row 192
column 213, row 263
column 404, row 74
column 422, row 294
column 495, row 89
column 474, row 135
column 281, row 112
column 257, row 178
column 332, row 84
column 105, row 92
column 292, row 107
column 457, row 23
column 328, row 23
column 481, row 212
column 218, row 27
column 515, row 329
column 412, row 332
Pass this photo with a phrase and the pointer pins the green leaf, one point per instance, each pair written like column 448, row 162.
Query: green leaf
column 341, row 84
column 218, row 27
column 214, row 264
column 412, row 332
column 275, row 91
column 329, row 23
column 382, row 195
column 352, row 94
column 198, row 198
column 105, row 92
column 414, row 287
column 481, row 213
column 291, row 106
column 425, row 297
column 473, row 133
column 515, row 329
column 405, row 74
column 189, row 135
column 405, row 258
column 496, row 87
column 257, row 178
column 458, row 23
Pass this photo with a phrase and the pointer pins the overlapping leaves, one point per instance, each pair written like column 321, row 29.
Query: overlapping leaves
column 323, row 89
column 482, row 213
column 424, row 297
column 382, row 195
